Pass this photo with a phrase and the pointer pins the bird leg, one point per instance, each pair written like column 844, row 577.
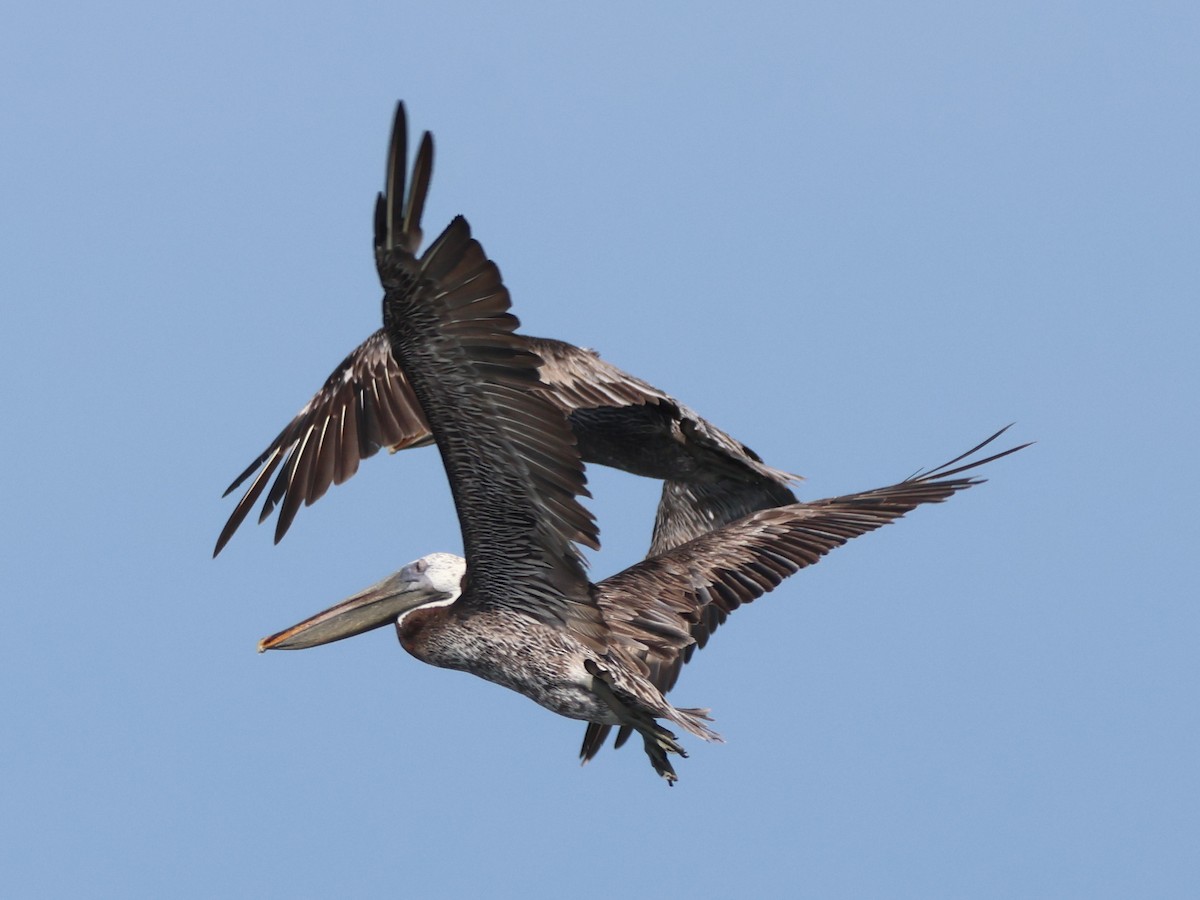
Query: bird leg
column 658, row 741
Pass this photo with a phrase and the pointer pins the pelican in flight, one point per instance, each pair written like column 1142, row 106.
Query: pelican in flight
column 519, row 610
column 368, row 403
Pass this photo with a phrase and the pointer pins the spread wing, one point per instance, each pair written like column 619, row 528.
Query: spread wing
column 578, row 378
column 618, row 420
column 364, row 405
column 669, row 605
column 509, row 455
column 710, row 478
column 367, row 404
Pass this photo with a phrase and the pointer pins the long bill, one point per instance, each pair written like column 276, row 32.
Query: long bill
column 379, row 605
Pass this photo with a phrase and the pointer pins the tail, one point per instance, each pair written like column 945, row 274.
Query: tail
column 693, row 720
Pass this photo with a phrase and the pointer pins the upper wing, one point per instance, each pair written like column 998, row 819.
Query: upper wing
column 669, row 605
column 627, row 423
column 365, row 404
column 511, row 460
column 577, row 378
column 618, row 420
column 710, row 478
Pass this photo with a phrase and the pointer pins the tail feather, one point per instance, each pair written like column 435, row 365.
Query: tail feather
column 693, row 720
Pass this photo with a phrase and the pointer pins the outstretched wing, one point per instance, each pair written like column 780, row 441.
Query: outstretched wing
column 364, row 405
column 514, row 470
column 367, row 404
column 667, row 606
column 711, row 479
column 618, row 420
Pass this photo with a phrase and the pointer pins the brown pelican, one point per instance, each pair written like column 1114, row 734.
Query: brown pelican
column 618, row 420
column 519, row 609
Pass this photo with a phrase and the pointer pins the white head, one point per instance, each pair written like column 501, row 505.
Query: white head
column 433, row 580
column 438, row 572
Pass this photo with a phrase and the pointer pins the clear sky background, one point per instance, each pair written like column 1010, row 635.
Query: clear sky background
column 858, row 236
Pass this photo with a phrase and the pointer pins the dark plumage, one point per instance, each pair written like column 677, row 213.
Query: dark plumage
column 367, row 404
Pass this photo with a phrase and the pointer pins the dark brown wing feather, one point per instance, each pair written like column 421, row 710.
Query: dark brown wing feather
column 627, row 423
column 618, row 420
column 578, row 378
column 364, row 405
column 668, row 606
column 687, row 510
column 513, row 467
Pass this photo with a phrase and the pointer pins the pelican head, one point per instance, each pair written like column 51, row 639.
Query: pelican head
column 433, row 580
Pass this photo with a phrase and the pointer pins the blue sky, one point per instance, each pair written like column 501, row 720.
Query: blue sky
column 858, row 236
